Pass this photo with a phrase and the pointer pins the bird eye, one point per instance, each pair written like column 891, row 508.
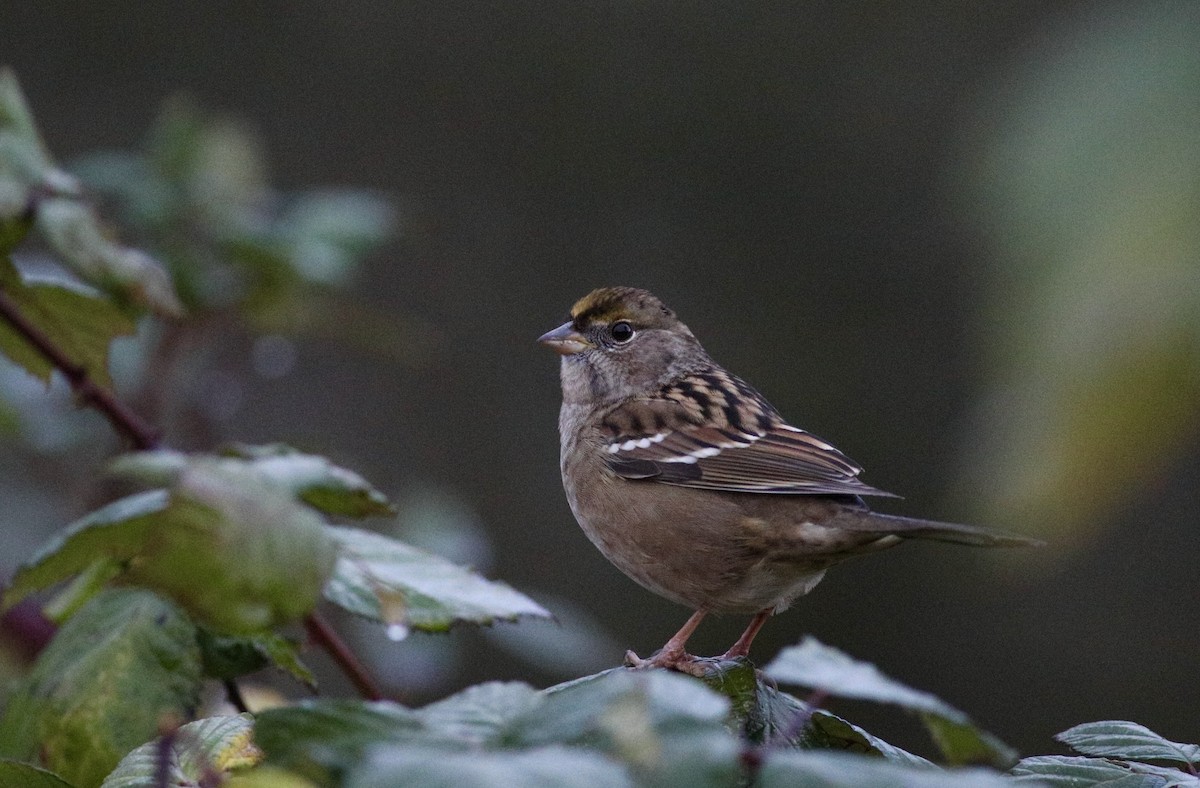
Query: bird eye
column 621, row 331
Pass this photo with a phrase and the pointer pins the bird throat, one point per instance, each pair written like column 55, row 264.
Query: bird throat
column 584, row 383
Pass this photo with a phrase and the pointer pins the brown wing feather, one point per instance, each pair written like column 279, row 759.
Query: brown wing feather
column 712, row 431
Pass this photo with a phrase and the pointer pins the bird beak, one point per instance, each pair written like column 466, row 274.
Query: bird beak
column 565, row 340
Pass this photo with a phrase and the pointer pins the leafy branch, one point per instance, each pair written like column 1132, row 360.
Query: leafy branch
column 224, row 548
column 144, row 437
column 127, row 423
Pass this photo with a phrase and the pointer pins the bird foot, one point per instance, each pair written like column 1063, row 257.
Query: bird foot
column 680, row 661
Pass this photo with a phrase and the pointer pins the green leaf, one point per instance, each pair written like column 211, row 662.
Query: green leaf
column 482, row 714
column 771, row 717
column 268, row 777
column 816, row 769
column 14, row 774
column 69, row 225
column 319, row 483
column 16, row 218
column 1064, row 771
column 236, row 550
column 324, row 233
column 85, row 586
column 574, row 710
column 125, row 661
column 232, row 545
column 228, row 656
column 813, row 664
column 118, row 531
column 74, row 233
column 80, row 325
column 285, row 655
column 23, row 155
column 403, row 587
column 321, row 739
column 200, row 753
column 125, row 179
column 963, row 743
column 314, row 480
column 354, row 219
column 831, row 732
column 736, row 679
column 670, row 729
column 544, row 767
column 157, row 468
column 779, row 719
column 233, row 656
column 1127, row 741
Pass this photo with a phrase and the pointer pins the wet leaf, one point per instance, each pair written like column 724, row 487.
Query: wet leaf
column 394, row 583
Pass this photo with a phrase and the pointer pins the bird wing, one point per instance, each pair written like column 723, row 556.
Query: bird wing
column 711, row 430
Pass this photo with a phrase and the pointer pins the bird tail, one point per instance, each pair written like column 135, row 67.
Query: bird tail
column 913, row 528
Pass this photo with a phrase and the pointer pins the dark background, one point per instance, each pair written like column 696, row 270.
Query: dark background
column 790, row 177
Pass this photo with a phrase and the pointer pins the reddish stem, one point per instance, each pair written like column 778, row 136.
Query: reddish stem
column 327, row 637
column 123, row 420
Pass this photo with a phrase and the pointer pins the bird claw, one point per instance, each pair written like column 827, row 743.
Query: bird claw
column 679, row 661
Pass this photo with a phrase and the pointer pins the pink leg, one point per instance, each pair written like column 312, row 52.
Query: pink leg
column 672, row 655
column 742, row 647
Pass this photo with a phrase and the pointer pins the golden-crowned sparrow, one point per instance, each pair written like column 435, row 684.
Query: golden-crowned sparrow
column 694, row 485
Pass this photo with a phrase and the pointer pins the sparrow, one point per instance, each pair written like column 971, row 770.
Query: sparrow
column 694, row 486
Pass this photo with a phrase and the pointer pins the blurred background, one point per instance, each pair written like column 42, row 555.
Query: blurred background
column 960, row 241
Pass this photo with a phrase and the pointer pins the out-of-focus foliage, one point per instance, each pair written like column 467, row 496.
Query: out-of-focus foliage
column 113, row 673
column 1087, row 183
column 198, row 196
column 200, row 752
column 239, row 553
column 24, row 775
column 79, row 323
column 237, row 543
column 28, row 176
column 240, row 543
column 238, row 256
